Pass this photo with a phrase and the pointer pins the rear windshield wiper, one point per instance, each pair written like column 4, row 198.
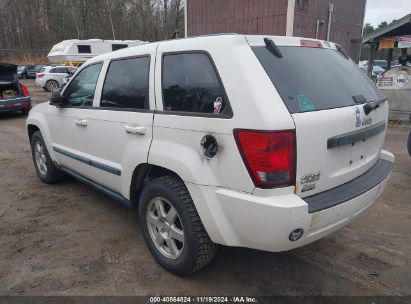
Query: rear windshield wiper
column 273, row 48
column 372, row 105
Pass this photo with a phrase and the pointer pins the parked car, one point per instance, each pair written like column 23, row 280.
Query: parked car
column 377, row 72
column 26, row 71
column 14, row 96
column 51, row 78
column 260, row 156
column 377, row 63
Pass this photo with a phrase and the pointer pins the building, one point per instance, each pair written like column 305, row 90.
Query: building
column 340, row 21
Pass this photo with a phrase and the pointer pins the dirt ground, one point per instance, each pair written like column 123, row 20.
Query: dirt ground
column 68, row 239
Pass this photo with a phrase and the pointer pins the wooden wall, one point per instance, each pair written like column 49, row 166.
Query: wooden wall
column 346, row 27
column 270, row 17
column 236, row 16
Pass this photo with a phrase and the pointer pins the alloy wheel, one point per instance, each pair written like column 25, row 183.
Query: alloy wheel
column 165, row 227
column 40, row 157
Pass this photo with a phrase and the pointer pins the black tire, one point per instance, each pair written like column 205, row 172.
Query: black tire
column 198, row 249
column 25, row 111
column 53, row 174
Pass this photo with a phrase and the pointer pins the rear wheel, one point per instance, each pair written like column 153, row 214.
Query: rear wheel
column 46, row 170
column 172, row 228
column 52, row 85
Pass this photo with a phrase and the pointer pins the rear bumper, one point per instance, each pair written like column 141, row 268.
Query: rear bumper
column 240, row 219
column 15, row 104
column 40, row 82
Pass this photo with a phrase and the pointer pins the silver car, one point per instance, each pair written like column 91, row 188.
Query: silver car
column 51, row 78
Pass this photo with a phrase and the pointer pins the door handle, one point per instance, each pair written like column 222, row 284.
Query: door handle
column 81, row 122
column 135, row 129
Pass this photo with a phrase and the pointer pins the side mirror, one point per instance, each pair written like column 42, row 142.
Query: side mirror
column 56, row 99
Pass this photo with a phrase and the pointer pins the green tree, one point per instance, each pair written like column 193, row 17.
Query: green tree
column 368, row 29
column 382, row 25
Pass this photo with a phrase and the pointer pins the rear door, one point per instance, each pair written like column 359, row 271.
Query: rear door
column 325, row 93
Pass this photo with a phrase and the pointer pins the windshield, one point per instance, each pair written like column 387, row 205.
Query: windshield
column 312, row 79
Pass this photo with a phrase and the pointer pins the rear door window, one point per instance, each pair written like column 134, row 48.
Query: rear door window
column 126, row 85
column 191, row 84
column 312, row 79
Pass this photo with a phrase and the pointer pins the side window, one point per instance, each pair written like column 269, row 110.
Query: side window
column 190, row 84
column 59, row 70
column 126, row 84
column 80, row 91
column 84, row 49
column 116, row 47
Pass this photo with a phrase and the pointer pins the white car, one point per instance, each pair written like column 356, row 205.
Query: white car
column 251, row 141
column 51, row 78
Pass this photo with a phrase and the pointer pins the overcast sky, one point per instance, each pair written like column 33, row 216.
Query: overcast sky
column 386, row 10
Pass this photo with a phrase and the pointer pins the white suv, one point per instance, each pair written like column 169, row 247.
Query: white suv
column 51, row 78
column 254, row 141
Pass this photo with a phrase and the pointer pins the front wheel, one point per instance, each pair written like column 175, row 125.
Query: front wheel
column 46, row 170
column 172, row 227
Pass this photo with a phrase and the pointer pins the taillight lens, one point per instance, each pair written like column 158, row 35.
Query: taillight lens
column 270, row 157
column 25, row 91
column 39, row 75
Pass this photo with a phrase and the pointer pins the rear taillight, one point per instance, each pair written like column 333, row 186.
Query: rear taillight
column 270, row 157
column 39, row 75
column 311, row 43
column 25, row 91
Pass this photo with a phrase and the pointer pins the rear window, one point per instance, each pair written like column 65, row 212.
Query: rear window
column 312, row 79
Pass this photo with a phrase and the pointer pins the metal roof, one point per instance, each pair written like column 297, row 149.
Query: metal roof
column 401, row 27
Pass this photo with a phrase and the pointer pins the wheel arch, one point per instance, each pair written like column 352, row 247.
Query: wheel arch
column 143, row 174
column 36, row 122
column 31, row 129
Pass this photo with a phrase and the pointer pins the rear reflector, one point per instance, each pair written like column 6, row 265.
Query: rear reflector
column 311, row 43
column 269, row 156
column 25, row 91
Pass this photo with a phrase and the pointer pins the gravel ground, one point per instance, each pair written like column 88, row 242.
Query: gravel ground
column 68, row 239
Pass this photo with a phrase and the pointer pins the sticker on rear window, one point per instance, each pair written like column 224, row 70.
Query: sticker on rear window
column 305, row 103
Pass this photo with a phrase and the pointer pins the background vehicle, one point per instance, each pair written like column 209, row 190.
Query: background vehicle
column 51, row 78
column 14, row 96
column 78, row 51
column 25, row 71
column 260, row 157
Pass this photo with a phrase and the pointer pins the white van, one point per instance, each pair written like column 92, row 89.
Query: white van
column 254, row 141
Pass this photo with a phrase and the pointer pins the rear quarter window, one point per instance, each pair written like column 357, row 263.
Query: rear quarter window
column 191, row 84
column 312, row 79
